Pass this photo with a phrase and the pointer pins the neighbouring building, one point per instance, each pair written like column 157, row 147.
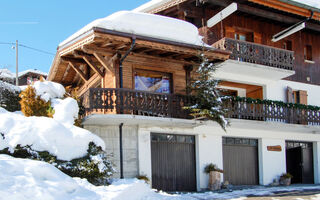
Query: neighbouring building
column 133, row 68
column 26, row 77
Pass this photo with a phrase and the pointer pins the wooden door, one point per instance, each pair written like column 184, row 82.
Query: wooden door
column 240, row 161
column 307, row 165
column 173, row 162
column 299, row 160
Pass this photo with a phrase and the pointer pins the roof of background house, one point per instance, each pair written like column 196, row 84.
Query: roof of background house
column 6, row 73
column 35, row 71
column 152, row 5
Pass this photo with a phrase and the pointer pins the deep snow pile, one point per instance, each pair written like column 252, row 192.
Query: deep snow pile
column 137, row 23
column 6, row 74
column 58, row 136
column 28, row 179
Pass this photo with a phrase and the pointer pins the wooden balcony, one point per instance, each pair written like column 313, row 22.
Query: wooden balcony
column 256, row 53
column 126, row 101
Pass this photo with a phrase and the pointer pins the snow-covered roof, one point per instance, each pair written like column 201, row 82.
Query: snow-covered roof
column 35, row 71
column 153, row 4
column 6, row 74
column 143, row 24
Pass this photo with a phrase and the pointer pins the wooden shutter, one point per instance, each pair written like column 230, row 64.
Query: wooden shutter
column 230, row 31
column 257, row 38
column 290, row 95
column 303, row 97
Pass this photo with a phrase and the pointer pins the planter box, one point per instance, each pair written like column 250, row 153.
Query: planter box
column 285, row 181
column 214, row 180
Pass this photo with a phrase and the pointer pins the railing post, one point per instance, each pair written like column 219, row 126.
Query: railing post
column 170, row 105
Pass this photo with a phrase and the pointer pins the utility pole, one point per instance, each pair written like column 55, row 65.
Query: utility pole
column 17, row 78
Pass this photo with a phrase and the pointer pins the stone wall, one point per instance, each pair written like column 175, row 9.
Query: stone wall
column 110, row 135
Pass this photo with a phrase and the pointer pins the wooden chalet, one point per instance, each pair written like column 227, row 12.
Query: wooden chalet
column 105, row 64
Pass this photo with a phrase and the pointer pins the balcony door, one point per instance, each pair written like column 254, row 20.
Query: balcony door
column 152, row 81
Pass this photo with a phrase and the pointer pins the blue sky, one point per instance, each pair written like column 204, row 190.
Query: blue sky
column 43, row 24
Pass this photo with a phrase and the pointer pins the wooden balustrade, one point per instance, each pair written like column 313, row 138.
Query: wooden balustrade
column 257, row 53
column 126, row 101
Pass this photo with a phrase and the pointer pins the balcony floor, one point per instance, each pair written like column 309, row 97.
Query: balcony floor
column 244, row 72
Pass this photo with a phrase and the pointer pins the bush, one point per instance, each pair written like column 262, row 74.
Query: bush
column 212, row 167
column 33, row 105
column 143, row 177
column 94, row 166
column 285, row 176
column 9, row 98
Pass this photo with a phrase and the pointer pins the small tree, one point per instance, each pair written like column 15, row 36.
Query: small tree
column 207, row 97
column 33, row 105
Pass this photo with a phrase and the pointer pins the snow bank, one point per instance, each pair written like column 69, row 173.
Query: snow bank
column 45, row 134
column 144, row 24
column 48, row 90
column 29, row 179
column 65, row 110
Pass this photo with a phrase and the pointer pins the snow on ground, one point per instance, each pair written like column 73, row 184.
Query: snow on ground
column 28, row 179
column 45, row 134
column 137, row 23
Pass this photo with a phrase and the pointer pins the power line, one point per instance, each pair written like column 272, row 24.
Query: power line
column 28, row 47
column 39, row 50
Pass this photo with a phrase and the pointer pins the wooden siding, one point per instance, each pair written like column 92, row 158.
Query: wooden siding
column 263, row 31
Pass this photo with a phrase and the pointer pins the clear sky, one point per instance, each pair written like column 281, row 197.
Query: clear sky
column 43, row 24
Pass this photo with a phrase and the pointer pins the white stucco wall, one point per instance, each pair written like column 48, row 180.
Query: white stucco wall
column 209, row 148
column 271, row 163
column 278, row 91
column 316, row 162
column 144, row 153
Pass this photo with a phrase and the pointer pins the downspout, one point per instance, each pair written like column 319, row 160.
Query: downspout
column 121, row 103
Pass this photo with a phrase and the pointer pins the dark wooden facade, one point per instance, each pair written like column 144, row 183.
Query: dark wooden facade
column 259, row 19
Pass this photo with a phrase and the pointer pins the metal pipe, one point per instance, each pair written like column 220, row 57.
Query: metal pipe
column 121, row 102
column 121, row 151
column 123, row 58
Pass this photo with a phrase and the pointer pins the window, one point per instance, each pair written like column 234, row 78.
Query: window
column 243, row 36
column 287, row 45
column 153, row 81
column 308, row 52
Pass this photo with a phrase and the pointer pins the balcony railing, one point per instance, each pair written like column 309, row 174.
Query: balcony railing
column 126, row 101
column 257, row 53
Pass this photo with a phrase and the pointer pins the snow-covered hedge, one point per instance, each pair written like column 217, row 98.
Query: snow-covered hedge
column 73, row 150
column 9, row 96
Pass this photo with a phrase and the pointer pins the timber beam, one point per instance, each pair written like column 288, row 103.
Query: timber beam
column 93, row 66
column 107, row 64
column 265, row 14
column 78, row 70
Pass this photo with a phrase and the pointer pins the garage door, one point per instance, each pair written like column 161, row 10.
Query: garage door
column 173, row 162
column 240, row 161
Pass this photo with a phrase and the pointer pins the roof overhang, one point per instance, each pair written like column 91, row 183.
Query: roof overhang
column 109, row 43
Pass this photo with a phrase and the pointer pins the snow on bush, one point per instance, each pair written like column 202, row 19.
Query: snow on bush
column 48, row 90
column 9, row 96
column 45, row 134
column 65, row 110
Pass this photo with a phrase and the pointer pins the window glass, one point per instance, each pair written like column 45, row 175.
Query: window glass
column 153, row 81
